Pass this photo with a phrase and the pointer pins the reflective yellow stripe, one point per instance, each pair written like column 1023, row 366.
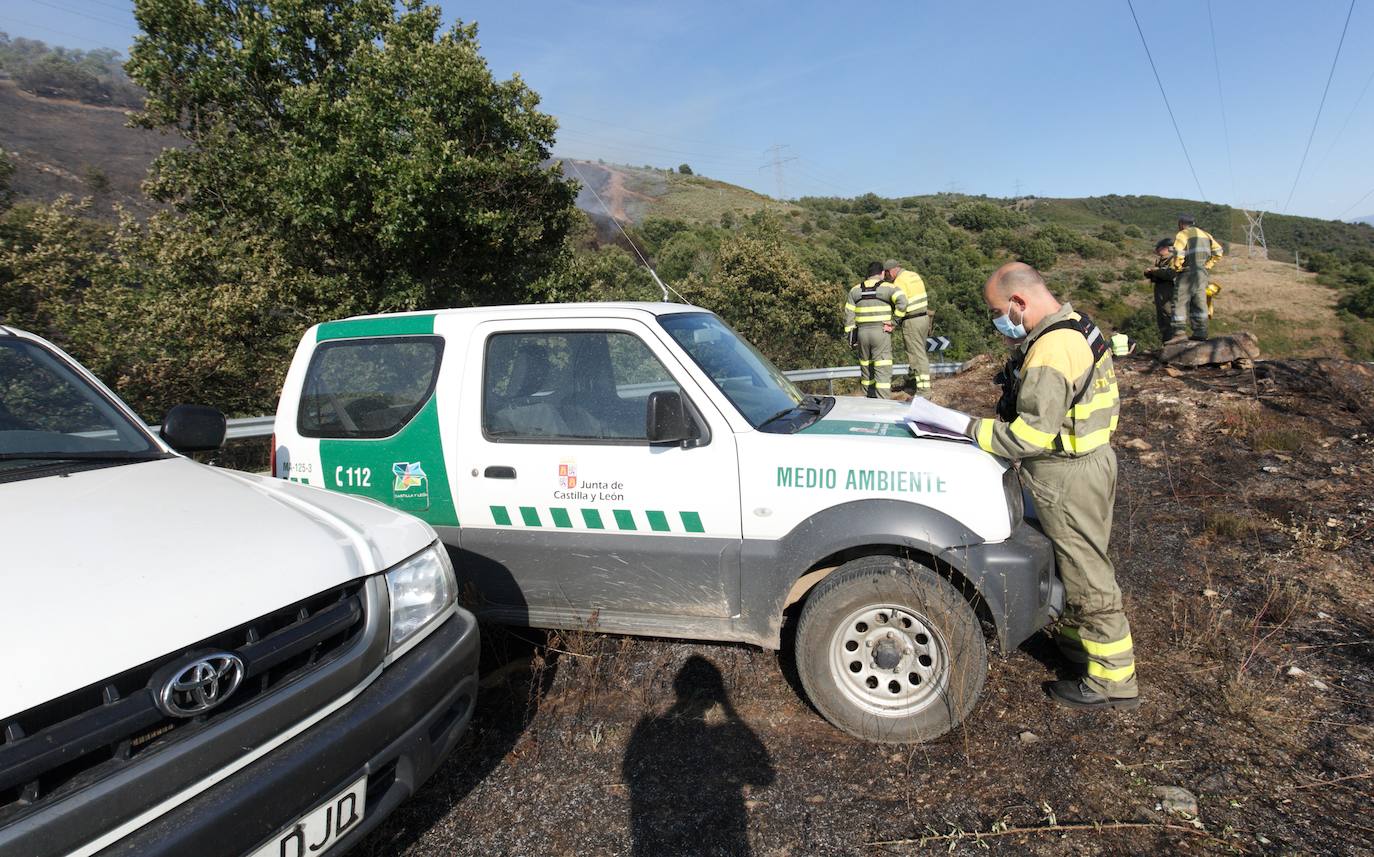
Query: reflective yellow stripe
column 1030, row 434
column 1107, row 650
column 850, row 306
column 1101, row 401
column 882, row 362
column 984, row 435
column 1090, row 441
column 848, row 327
column 884, row 385
column 865, row 362
column 865, row 382
column 1096, row 670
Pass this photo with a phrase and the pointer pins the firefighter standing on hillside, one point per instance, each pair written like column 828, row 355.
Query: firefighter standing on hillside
column 869, row 315
column 915, row 326
column 1163, row 275
column 1195, row 253
column 1059, row 409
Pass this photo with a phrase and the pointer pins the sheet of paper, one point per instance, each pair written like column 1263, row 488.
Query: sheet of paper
column 921, row 429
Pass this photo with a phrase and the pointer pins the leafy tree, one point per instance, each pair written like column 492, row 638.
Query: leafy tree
column 360, row 139
column 764, row 291
column 685, row 169
column 982, row 215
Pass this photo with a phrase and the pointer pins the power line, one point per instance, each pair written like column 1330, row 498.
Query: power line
column 1221, row 100
column 23, row 23
column 662, row 285
column 1367, row 194
column 95, row 18
column 1320, row 105
column 1167, row 105
column 1348, row 117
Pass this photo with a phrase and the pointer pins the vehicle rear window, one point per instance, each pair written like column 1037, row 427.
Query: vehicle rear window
column 367, row 388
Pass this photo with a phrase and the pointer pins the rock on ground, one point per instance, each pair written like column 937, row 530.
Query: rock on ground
column 1212, row 352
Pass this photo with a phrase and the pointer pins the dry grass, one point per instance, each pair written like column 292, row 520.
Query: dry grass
column 1263, row 430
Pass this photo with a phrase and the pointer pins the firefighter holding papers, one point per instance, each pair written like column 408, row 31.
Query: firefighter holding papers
column 1063, row 403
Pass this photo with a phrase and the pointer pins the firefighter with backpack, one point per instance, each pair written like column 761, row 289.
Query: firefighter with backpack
column 1058, row 411
column 873, row 309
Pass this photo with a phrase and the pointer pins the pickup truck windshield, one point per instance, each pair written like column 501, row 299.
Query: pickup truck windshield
column 746, row 377
column 48, row 412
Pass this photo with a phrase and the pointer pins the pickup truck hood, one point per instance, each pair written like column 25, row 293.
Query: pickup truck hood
column 863, row 417
column 106, row 569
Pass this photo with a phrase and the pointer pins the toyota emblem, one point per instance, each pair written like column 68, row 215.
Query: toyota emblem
column 201, row 685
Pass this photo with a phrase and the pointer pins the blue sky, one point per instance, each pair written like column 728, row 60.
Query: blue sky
column 1053, row 99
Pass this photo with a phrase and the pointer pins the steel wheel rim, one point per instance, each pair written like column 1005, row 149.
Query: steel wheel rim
column 862, row 652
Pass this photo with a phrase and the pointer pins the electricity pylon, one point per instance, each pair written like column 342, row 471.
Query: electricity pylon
column 1254, row 234
column 776, row 163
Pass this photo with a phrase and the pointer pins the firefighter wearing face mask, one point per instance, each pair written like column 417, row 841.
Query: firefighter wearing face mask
column 1058, row 414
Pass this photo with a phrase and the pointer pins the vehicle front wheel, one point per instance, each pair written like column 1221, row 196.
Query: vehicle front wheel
column 889, row 651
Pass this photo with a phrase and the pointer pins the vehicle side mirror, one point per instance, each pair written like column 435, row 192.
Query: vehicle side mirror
column 193, row 428
column 665, row 419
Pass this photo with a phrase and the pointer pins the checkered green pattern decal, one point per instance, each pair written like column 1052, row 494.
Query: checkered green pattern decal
column 621, row 520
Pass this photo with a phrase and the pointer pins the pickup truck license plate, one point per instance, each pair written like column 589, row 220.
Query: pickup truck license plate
column 320, row 828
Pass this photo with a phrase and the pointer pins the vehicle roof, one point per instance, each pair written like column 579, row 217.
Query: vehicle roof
column 602, row 307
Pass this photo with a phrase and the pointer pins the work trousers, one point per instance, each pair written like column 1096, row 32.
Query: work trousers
column 1190, row 302
column 914, row 333
column 1164, row 310
column 875, row 361
column 1073, row 498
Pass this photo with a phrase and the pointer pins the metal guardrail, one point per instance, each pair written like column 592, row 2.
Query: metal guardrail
column 246, row 427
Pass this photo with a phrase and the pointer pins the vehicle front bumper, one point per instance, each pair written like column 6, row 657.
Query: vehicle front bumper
column 396, row 731
column 1017, row 581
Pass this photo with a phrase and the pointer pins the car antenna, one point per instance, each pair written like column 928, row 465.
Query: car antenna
column 664, row 287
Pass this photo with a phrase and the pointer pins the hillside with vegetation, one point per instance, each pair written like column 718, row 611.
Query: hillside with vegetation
column 182, row 261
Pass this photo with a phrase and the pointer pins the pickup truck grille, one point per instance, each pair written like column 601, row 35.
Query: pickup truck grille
column 60, row 746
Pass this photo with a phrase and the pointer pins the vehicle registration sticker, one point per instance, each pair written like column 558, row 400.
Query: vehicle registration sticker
column 320, row 828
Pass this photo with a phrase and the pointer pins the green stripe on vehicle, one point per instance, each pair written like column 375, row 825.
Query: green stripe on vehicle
column 658, row 522
column 859, row 428
column 388, row 325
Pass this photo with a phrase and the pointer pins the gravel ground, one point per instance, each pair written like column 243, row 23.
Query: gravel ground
column 1243, row 536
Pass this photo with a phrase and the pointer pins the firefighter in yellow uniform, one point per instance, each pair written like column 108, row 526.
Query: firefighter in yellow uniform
column 915, row 326
column 873, row 308
column 1195, row 254
column 1059, row 409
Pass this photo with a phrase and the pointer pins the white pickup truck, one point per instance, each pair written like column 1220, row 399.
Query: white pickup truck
column 195, row 661
column 641, row 469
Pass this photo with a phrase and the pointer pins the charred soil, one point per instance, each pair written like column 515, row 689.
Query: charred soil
column 1243, row 537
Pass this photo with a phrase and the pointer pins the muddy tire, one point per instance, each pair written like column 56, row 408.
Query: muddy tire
column 889, row 651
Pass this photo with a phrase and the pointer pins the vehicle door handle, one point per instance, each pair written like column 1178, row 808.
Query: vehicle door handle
column 499, row 473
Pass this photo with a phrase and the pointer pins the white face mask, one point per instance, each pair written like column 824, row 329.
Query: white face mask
column 1008, row 328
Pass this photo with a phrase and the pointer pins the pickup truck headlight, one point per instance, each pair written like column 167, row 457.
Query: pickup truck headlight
column 421, row 588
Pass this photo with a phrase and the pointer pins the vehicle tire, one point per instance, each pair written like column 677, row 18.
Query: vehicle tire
column 889, row 651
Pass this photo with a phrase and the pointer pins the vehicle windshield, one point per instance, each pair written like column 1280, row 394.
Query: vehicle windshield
column 48, row 412
column 752, row 384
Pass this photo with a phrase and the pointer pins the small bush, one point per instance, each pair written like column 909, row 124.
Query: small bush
column 685, row 170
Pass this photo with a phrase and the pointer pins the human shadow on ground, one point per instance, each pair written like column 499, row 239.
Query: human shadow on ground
column 686, row 770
